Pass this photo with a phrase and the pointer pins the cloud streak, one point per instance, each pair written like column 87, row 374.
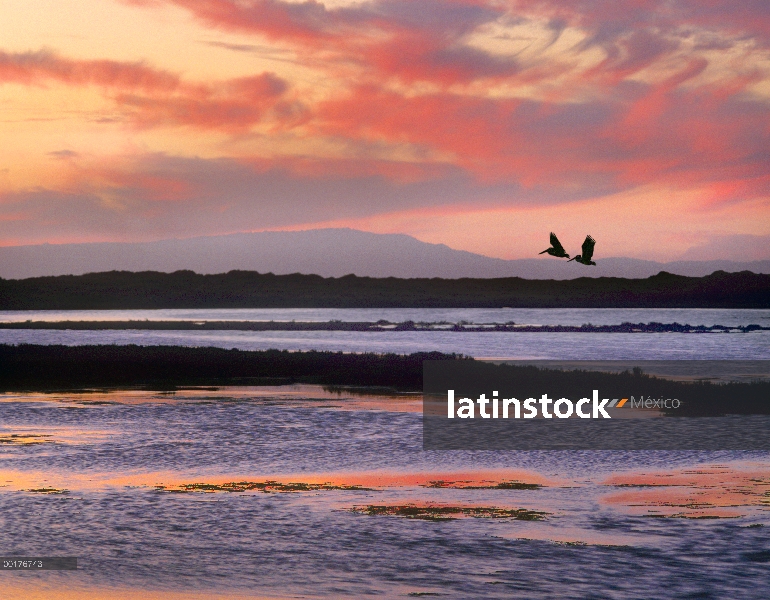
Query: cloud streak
column 150, row 97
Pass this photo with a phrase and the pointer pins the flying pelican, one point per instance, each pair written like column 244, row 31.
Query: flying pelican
column 556, row 248
column 588, row 252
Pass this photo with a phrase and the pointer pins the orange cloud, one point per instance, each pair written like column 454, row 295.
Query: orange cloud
column 629, row 132
column 234, row 106
column 425, row 41
column 306, row 22
column 37, row 68
column 418, row 42
column 151, row 97
column 657, row 133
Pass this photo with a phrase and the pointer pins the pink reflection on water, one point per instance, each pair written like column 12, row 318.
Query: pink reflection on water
column 295, row 395
column 716, row 491
column 73, row 587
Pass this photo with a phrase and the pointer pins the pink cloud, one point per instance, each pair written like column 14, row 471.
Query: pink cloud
column 303, row 21
column 37, row 68
column 607, row 19
column 412, row 41
column 660, row 134
column 424, row 41
column 151, row 97
column 234, row 106
column 630, row 133
column 157, row 196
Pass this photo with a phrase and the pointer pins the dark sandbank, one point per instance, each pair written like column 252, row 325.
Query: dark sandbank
column 248, row 289
column 44, row 367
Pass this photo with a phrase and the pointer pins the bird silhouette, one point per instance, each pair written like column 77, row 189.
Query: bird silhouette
column 588, row 252
column 556, row 248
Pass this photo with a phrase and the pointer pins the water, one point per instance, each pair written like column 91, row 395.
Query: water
column 612, row 530
column 523, row 316
column 512, row 345
column 599, row 539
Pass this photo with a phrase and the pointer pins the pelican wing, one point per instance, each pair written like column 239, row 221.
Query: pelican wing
column 588, row 247
column 556, row 243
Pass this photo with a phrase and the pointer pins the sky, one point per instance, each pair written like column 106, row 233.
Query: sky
column 482, row 125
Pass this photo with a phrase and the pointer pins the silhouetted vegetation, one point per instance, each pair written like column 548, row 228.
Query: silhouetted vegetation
column 247, row 289
column 37, row 367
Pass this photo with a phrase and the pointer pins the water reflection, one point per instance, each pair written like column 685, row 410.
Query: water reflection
column 151, row 504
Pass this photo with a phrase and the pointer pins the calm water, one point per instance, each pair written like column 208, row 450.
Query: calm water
column 522, row 316
column 513, row 345
column 598, row 540
column 605, row 535
column 572, row 346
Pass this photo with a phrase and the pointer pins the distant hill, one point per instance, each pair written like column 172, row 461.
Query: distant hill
column 325, row 252
column 243, row 289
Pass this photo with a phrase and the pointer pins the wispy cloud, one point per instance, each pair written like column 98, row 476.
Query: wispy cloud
column 151, row 97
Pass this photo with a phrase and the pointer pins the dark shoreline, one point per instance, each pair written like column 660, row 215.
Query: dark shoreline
column 248, row 289
column 380, row 326
column 29, row 367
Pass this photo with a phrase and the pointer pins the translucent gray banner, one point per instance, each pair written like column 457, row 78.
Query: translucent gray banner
column 38, row 563
column 596, row 405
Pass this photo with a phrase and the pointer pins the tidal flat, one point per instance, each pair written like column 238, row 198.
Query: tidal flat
column 305, row 491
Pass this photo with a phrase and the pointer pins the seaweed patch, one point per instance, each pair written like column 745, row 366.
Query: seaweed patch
column 25, row 439
column 51, row 491
column 436, row 512
column 483, row 485
column 259, row 486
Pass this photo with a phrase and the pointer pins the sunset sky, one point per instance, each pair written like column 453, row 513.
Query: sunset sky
column 482, row 125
